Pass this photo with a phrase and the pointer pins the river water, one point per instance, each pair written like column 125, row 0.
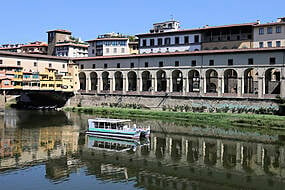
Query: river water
column 48, row 150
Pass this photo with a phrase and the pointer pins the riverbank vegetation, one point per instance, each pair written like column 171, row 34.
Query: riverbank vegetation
column 191, row 118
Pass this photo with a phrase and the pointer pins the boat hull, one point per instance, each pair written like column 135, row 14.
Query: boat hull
column 114, row 135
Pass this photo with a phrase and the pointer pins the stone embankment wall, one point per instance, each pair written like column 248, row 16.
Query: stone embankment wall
column 159, row 103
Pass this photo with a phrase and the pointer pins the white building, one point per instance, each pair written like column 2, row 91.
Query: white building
column 269, row 34
column 70, row 49
column 109, row 44
column 167, row 37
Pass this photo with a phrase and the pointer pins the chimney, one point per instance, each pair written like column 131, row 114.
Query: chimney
column 258, row 21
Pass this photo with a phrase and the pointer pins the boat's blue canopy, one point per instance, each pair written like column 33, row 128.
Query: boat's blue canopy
column 106, row 120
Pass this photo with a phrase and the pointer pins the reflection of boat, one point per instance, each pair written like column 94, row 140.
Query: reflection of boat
column 110, row 144
column 115, row 128
column 111, row 170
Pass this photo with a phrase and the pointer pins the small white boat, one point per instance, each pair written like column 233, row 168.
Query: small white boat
column 116, row 129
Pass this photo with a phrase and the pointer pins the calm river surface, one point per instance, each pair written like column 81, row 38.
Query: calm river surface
column 48, row 150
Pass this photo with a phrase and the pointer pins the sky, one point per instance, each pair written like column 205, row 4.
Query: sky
column 25, row 21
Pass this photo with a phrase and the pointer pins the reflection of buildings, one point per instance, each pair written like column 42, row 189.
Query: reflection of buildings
column 183, row 162
column 25, row 146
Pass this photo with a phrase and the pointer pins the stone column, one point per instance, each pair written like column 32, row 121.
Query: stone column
column 153, row 81
column 170, row 83
column 220, row 86
column 260, row 86
column 140, row 84
column 126, row 83
column 88, row 81
column 112, row 83
column 282, row 82
column 239, row 86
column 101, row 83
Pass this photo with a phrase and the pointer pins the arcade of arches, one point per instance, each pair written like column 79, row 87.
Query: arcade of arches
column 253, row 82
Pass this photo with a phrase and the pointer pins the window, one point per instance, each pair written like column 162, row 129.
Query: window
column 49, row 65
column 196, row 39
column 118, row 65
column 261, row 31
column 1, row 61
column 166, row 41
column 146, row 64
column 186, row 39
column 278, row 43
column 176, row 63
column 211, row 62
column 107, row 50
column 250, row 61
column 93, row 51
column 93, row 66
column 151, row 42
column 269, row 44
column 144, row 42
column 81, row 66
column 177, row 40
column 269, row 30
column 272, row 60
column 160, row 64
column 63, row 66
column 105, row 65
column 132, row 65
column 123, row 50
column 18, row 63
column 193, row 63
column 230, row 61
column 261, row 45
column 278, row 29
column 159, row 41
column 115, row 50
column 238, row 37
column 35, row 64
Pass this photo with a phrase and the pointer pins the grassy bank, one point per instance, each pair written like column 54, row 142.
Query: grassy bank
column 198, row 119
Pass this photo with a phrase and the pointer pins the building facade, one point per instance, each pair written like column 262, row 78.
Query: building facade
column 71, row 49
column 269, row 34
column 111, row 44
column 55, row 36
column 35, row 48
column 240, row 73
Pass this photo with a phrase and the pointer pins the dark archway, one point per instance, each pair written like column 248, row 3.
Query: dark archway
column 94, row 80
column 106, row 81
column 132, row 80
column 211, row 81
column 230, row 81
column 250, row 81
column 146, row 81
column 272, row 81
column 194, row 81
column 177, row 81
column 161, row 81
column 82, row 81
column 119, row 81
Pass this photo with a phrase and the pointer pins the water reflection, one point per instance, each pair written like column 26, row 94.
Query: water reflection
column 198, row 159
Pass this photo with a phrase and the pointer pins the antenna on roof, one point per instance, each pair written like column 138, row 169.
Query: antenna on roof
column 171, row 17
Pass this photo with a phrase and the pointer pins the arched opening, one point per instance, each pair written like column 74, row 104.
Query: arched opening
column 94, row 80
column 146, row 81
column 161, row 81
column 250, row 81
column 132, row 80
column 119, row 81
column 230, row 81
column 177, row 81
column 194, row 81
column 211, row 81
column 272, row 81
column 106, row 81
column 82, row 81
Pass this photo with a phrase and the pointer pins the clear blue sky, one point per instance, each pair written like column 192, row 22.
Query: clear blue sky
column 28, row 20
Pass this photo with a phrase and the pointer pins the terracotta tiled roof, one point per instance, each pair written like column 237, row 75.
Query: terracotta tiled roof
column 60, row 30
column 199, row 29
column 72, row 44
column 33, row 55
column 106, row 39
column 203, row 52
